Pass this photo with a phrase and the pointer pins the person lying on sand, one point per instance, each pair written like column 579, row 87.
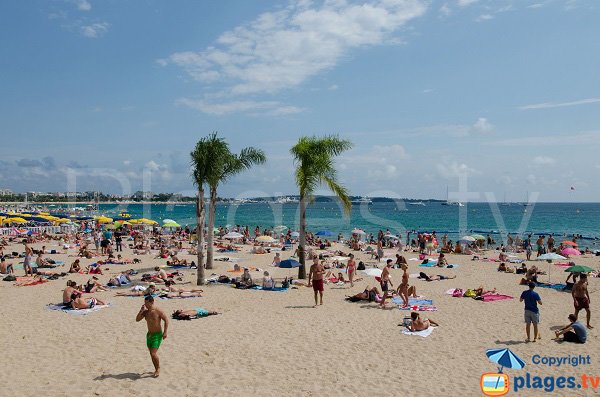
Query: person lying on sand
column 121, row 279
column 481, row 291
column 419, row 324
column 137, row 292
column 189, row 314
column 437, row 277
column 78, row 302
column 93, row 285
column 369, row 294
column 172, row 289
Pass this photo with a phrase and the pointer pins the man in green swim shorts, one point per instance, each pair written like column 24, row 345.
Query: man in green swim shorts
column 155, row 335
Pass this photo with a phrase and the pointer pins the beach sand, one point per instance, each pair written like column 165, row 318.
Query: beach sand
column 276, row 343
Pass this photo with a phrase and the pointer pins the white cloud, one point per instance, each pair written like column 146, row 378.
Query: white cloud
column 543, row 160
column 536, row 5
column 455, row 170
column 484, row 17
column 126, row 162
column 220, row 109
column 94, row 30
column 589, row 138
column 445, row 10
column 483, row 126
column 466, row 3
column 550, row 105
column 282, row 49
column 152, row 165
column 83, row 5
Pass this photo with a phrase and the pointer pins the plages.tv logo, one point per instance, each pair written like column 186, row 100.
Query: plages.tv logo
column 498, row 384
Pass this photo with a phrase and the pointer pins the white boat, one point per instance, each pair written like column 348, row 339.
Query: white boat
column 362, row 200
column 286, row 200
column 452, row 203
column 422, row 204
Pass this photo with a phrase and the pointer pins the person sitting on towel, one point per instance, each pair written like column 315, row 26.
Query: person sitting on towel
column 442, row 262
column 267, row 282
column 77, row 302
column 419, row 324
column 245, row 280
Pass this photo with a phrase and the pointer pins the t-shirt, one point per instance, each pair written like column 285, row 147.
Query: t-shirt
column 580, row 331
column 531, row 299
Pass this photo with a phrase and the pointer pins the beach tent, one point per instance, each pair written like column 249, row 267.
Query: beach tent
column 289, row 264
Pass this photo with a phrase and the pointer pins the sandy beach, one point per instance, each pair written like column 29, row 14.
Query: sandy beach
column 276, row 343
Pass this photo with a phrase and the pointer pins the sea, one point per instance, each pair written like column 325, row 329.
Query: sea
column 496, row 219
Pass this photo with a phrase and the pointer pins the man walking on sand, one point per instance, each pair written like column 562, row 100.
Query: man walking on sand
column 532, row 313
column 155, row 335
column 315, row 278
column 581, row 298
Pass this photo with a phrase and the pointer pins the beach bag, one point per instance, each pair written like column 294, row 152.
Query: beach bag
column 361, row 266
column 458, row 293
column 469, row 293
column 285, row 284
column 10, row 277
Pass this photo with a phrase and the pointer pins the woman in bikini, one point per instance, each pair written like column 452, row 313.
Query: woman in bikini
column 419, row 324
column 351, row 268
column 405, row 290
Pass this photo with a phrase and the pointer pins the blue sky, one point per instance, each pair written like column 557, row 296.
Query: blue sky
column 112, row 95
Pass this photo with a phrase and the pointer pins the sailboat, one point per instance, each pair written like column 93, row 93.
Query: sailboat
column 505, row 203
column 455, row 203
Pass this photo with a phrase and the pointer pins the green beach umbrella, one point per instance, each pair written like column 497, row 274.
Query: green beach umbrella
column 171, row 224
column 478, row 237
column 579, row 269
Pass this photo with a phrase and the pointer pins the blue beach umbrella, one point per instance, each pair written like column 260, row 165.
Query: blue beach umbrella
column 289, row 264
column 505, row 358
column 324, row 233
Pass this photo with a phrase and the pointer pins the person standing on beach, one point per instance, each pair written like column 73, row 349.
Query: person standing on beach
column 385, row 282
column 532, row 313
column 155, row 334
column 581, row 298
column 351, row 269
column 315, row 278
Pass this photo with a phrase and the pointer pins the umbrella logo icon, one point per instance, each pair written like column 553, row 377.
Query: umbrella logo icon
column 497, row 384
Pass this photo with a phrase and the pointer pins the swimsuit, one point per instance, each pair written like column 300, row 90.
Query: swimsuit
column 384, row 286
column 317, row 285
column 582, row 303
column 201, row 312
column 93, row 302
column 154, row 339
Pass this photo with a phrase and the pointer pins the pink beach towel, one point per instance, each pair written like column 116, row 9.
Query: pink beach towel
column 495, row 297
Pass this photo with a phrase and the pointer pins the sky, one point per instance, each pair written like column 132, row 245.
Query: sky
column 112, row 95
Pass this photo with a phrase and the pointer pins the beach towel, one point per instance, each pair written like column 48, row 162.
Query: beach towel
column 419, row 308
column 78, row 312
column 451, row 291
column 413, row 301
column 276, row 289
column 565, row 265
column 495, row 297
column 552, row 286
column 424, row 333
column 516, row 261
column 178, row 297
column 428, row 264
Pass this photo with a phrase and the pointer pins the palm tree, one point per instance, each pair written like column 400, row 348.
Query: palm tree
column 203, row 161
column 228, row 165
column 314, row 165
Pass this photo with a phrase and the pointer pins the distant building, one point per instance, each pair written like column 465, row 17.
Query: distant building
column 6, row 192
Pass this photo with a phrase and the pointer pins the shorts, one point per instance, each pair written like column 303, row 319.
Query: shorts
column 581, row 303
column 531, row 317
column 154, row 339
column 317, row 285
column 201, row 312
column 384, row 286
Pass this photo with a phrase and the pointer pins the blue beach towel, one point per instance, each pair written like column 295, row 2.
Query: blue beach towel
column 413, row 301
column 551, row 286
column 275, row 289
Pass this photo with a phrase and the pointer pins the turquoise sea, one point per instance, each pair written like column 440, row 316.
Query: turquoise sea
column 398, row 217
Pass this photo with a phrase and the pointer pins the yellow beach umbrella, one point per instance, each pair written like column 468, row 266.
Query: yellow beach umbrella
column 15, row 220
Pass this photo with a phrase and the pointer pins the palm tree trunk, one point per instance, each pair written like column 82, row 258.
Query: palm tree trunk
column 211, row 226
column 200, row 215
column 302, row 242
